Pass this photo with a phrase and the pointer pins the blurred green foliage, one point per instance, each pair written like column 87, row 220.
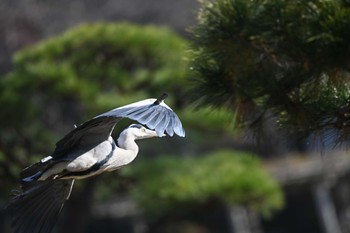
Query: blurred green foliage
column 99, row 63
column 229, row 177
column 275, row 56
column 96, row 67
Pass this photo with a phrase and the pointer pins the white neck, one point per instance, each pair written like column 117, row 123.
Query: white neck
column 128, row 146
column 126, row 141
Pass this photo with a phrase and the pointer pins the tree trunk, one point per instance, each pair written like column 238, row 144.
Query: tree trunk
column 325, row 209
column 241, row 220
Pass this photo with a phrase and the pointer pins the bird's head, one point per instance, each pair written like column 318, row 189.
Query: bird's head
column 140, row 132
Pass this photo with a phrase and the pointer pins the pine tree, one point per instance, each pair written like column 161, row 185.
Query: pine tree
column 288, row 59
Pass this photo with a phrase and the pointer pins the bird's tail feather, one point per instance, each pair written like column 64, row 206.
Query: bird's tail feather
column 35, row 210
column 34, row 171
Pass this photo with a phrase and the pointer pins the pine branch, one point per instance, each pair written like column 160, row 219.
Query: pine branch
column 290, row 57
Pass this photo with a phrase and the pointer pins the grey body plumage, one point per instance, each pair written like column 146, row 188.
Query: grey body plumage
column 86, row 151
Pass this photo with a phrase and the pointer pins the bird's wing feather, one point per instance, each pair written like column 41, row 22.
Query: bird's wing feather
column 35, row 210
column 156, row 115
column 86, row 136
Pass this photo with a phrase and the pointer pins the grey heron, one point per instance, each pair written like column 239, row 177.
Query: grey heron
column 87, row 150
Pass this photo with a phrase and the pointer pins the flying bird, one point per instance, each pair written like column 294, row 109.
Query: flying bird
column 86, row 151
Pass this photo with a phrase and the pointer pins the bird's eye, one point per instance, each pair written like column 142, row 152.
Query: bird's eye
column 143, row 129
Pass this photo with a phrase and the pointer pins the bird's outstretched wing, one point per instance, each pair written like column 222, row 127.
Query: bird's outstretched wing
column 36, row 208
column 151, row 112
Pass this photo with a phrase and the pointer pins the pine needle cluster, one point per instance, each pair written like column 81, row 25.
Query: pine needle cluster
column 289, row 59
